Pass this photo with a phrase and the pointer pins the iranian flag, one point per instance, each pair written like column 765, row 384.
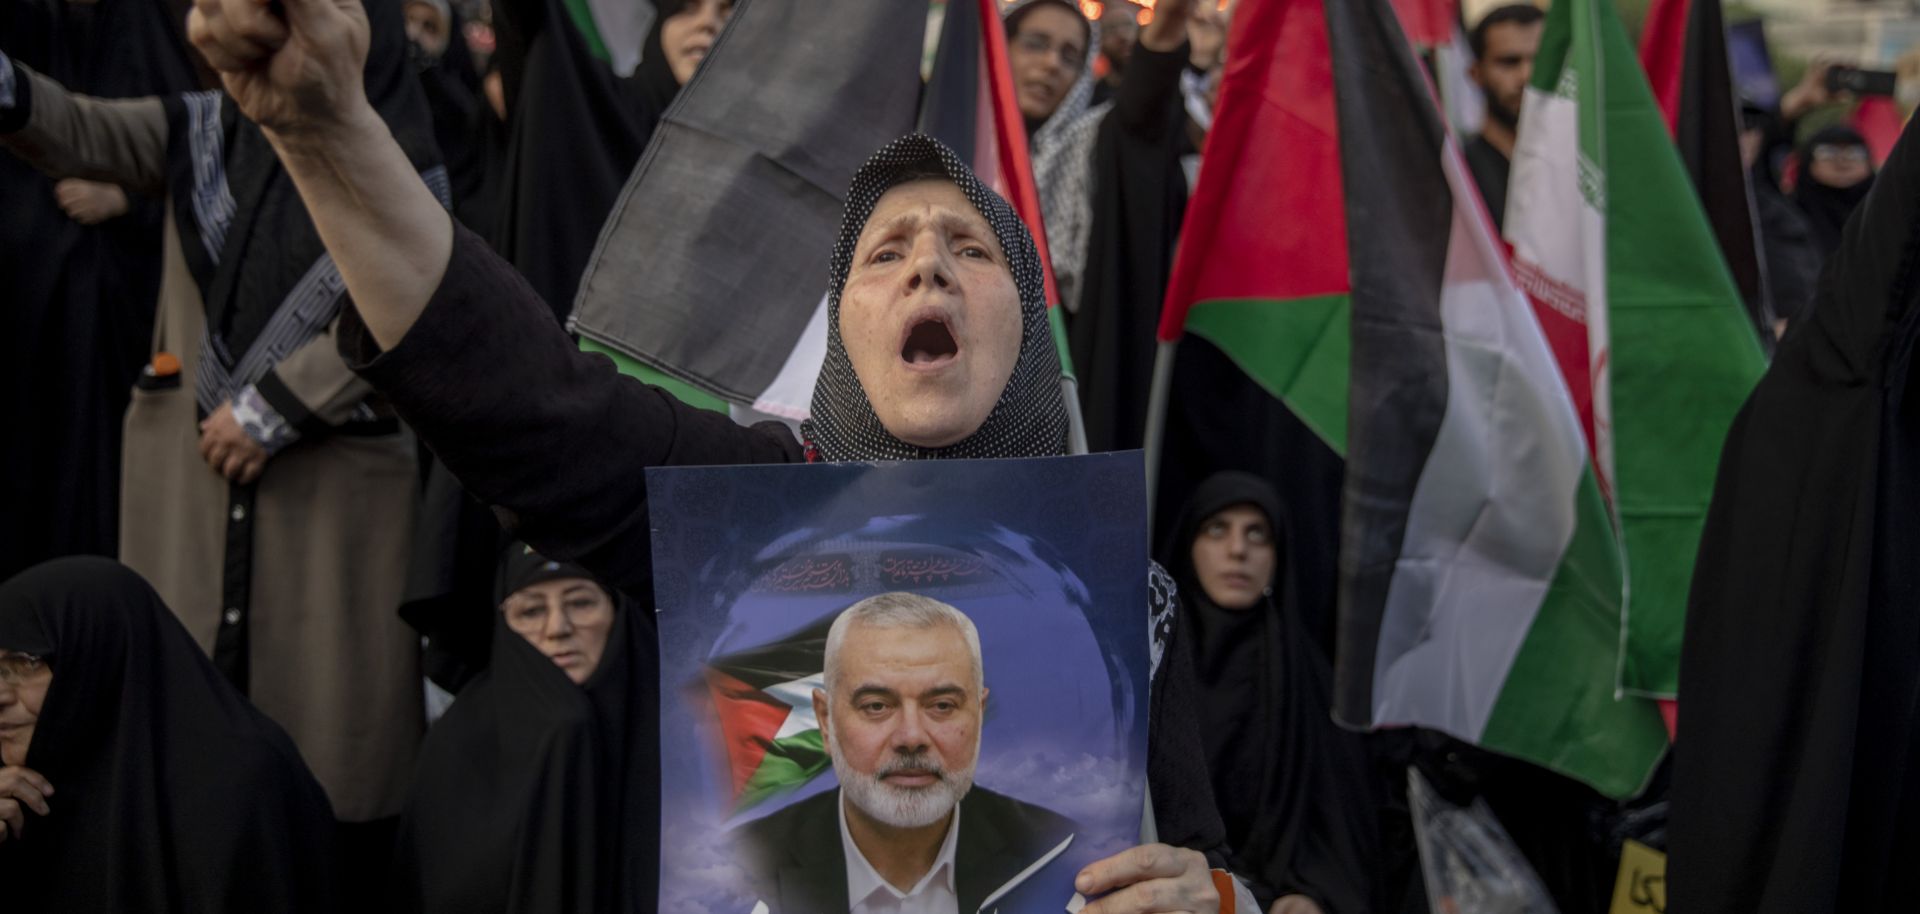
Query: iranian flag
column 763, row 699
column 1337, row 251
column 1627, row 278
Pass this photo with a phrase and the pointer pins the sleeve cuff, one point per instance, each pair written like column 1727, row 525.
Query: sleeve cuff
column 16, row 106
column 267, row 426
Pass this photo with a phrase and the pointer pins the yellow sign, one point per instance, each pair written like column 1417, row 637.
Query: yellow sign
column 1642, row 886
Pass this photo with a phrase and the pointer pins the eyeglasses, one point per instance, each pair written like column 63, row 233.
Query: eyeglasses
column 1850, row 155
column 1072, row 56
column 17, row 669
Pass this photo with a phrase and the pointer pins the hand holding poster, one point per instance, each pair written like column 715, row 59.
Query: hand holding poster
column 899, row 680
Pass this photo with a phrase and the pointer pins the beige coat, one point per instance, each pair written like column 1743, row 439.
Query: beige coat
column 328, row 656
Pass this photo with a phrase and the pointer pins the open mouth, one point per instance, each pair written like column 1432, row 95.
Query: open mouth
column 929, row 344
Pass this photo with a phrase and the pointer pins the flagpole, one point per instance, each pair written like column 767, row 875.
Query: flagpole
column 1076, row 423
column 1157, row 398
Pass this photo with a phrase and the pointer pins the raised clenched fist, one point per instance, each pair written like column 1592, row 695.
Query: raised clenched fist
column 293, row 66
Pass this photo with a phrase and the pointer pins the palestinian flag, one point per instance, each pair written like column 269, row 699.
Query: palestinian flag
column 1629, row 283
column 1684, row 52
column 710, row 276
column 1481, row 583
column 763, row 699
column 969, row 106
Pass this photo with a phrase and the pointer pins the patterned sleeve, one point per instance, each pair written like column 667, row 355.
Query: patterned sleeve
column 1162, row 596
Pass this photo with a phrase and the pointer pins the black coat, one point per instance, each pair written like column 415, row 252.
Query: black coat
column 1797, row 764
column 797, row 863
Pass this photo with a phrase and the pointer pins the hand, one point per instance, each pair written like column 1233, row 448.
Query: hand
column 1206, row 35
column 1295, row 904
column 1150, row 879
column 225, row 447
column 294, row 76
column 1169, row 26
column 90, row 202
column 1812, row 91
column 21, row 789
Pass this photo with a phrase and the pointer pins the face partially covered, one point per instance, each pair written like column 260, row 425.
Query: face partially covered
column 930, row 314
column 903, row 721
column 687, row 35
column 1505, row 68
column 24, row 680
column 567, row 619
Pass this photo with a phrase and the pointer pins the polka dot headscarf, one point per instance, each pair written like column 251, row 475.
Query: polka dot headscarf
column 1030, row 419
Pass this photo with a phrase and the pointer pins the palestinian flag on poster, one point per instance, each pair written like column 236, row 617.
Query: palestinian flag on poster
column 700, row 282
column 1629, row 283
column 1481, row 582
column 763, row 699
column 969, row 106
column 1684, row 52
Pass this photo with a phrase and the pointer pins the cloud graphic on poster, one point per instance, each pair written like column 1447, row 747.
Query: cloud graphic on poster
column 708, row 877
column 1084, row 788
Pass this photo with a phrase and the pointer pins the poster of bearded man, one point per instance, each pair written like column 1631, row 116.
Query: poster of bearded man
column 900, row 684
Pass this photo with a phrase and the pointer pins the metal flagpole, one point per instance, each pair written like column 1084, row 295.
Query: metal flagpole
column 1157, row 398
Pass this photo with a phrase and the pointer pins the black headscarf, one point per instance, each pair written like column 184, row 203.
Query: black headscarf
column 1827, row 208
column 1030, row 418
column 576, row 131
column 534, row 795
column 265, row 278
column 172, row 793
column 1293, row 789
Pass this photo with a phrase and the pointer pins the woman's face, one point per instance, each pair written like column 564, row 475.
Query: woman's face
column 930, row 314
column 1840, row 166
column 1234, row 557
column 688, row 35
column 1046, row 53
column 567, row 619
column 24, row 679
column 426, row 27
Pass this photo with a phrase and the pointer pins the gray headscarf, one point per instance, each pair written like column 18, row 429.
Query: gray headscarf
column 1030, row 419
column 1062, row 153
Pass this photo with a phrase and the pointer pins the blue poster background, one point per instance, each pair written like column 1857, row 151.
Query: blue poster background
column 1047, row 556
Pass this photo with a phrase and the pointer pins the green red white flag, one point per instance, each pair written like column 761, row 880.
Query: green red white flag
column 1630, row 284
column 763, row 699
column 1337, row 251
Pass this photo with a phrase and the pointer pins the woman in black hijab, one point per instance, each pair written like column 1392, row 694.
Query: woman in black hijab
column 170, row 793
column 577, row 127
column 1291, row 787
column 1836, row 172
column 538, row 792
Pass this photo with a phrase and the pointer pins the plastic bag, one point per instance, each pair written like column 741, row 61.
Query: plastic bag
column 1470, row 865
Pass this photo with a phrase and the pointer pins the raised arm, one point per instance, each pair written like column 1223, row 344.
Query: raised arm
column 299, row 78
column 66, row 135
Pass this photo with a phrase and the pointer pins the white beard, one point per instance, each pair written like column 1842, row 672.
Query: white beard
column 902, row 807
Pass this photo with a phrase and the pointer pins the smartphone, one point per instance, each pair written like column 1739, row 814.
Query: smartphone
column 1860, row 82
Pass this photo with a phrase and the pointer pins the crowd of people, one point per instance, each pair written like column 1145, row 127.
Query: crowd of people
column 350, row 462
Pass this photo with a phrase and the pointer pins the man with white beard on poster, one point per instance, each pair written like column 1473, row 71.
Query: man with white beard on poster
column 906, row 830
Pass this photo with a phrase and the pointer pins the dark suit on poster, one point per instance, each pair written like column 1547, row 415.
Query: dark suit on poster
column 797, row 866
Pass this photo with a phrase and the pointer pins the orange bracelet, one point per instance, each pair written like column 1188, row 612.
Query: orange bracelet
column 1223, row 884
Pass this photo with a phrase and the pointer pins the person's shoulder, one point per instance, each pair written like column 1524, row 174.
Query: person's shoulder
column 781, row 827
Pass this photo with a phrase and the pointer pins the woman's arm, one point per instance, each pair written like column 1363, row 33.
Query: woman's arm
column 66, row 135
column 299, row 78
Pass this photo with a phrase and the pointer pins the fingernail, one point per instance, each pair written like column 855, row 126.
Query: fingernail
column 1083, row 883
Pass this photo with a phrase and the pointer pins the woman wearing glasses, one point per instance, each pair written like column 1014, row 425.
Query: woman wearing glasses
column 133, row 778
column 534, row 791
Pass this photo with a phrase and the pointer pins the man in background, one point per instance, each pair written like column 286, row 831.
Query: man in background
column 1504, row 45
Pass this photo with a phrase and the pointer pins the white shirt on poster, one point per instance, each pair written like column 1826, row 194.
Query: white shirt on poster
column 870, row 894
